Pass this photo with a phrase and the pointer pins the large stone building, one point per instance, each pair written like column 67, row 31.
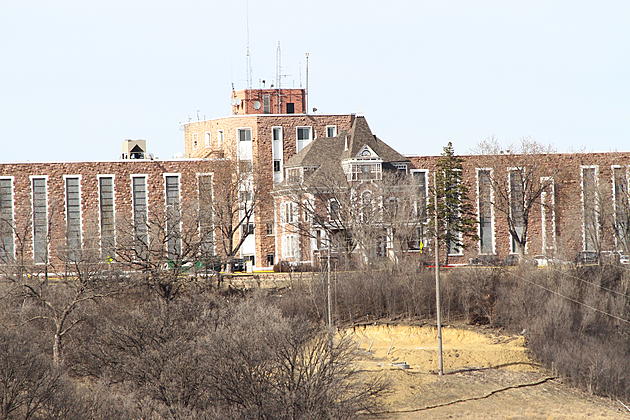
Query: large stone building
column 51, row 210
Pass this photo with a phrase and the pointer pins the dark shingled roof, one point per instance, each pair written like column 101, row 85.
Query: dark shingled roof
column 325, row 150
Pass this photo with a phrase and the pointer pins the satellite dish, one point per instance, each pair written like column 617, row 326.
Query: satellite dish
column 256, row 104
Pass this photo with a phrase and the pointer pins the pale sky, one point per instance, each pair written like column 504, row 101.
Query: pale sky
column 79, row 76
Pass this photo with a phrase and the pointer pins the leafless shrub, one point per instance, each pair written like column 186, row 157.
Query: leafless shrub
column 581, row 341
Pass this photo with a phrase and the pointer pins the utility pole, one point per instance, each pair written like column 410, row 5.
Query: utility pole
column 437, row 280
column 329, row 293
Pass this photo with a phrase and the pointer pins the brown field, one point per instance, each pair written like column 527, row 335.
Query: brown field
column 487, row 375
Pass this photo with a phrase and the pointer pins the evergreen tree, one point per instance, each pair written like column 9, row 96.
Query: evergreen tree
column 456, row 219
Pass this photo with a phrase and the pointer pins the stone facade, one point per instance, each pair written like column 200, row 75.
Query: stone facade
column 564, row 223
column 21, row 175
column 556, row 230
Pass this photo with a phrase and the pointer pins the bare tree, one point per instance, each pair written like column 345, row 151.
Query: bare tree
column 375, row 220
column 167, row 249
column 231, row 198
column 517, row 192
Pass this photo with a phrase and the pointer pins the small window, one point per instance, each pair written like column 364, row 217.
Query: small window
column 333, row 209
column 331, row 131
column 195, row 138
column 290, row 108
column 276, row 165
column 304, row 136
column 207, row 139
column 365, row 171
column 266, row 104
column 244, row 134
column 269, row 228
column 402, row 167
column 294, row 175
column 270, row 260
column 247, row 229
column 219, row 138
column 276, row 134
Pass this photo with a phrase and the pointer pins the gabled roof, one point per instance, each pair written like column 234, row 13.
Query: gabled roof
column 326, row 149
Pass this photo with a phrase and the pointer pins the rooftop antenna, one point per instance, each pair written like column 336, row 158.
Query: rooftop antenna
column 306, row 91
column 300, row 67
column 278, row 66
column 247, row 53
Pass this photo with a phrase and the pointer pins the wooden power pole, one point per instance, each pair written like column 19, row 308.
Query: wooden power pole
column 437, row 280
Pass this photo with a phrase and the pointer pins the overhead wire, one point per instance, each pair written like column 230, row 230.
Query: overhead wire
column 588, row 282
column 571, row 299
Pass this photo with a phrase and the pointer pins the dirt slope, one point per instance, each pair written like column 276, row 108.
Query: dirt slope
column 479, row 365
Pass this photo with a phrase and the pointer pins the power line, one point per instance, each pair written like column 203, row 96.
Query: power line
column 572, row 300
column 588, row 282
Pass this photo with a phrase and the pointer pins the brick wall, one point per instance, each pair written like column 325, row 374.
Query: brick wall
column 566, row 171
column 261, row 126
column 88, row 172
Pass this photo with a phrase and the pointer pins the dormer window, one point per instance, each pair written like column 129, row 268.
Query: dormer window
column 365, row 171
column 402, row 167
column 294, row 175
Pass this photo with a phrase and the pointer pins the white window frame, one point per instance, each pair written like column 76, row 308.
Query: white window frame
column 98, row 187
column 178, row 175
column 133, row 211
column 238, row 134
column 195, row 140
column 426, row 189
column 213, row 227
column 12, row 179
column 31, row 178
column 207, row 137
column 492, row 214
column 596, row 205
column 334, row 128
column 220, row 137
column 280, row 158
column 460, row 235
column 543, row 214
column 297, row 140
column 511, row 240
column 65, row 209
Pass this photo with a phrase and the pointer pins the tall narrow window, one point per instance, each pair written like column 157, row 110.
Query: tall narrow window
column 484, row 201
column 304, row 136
column 40, row 220
column 7, row 245
column 419, row 177
column 207, row 139
column 206, row 229
column 333, row 209
column 140, row 215
column 173, row 218
column 106, row 215
column 73, row 218
column 219, row 138
column 517, row 206
column 266, row 104
column 622, row 208
column 548, row 216
column 277, row 153
column 244, row 136
column 589, row 200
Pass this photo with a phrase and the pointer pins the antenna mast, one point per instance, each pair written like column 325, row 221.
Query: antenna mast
column 247, row 54
column 306, row 91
